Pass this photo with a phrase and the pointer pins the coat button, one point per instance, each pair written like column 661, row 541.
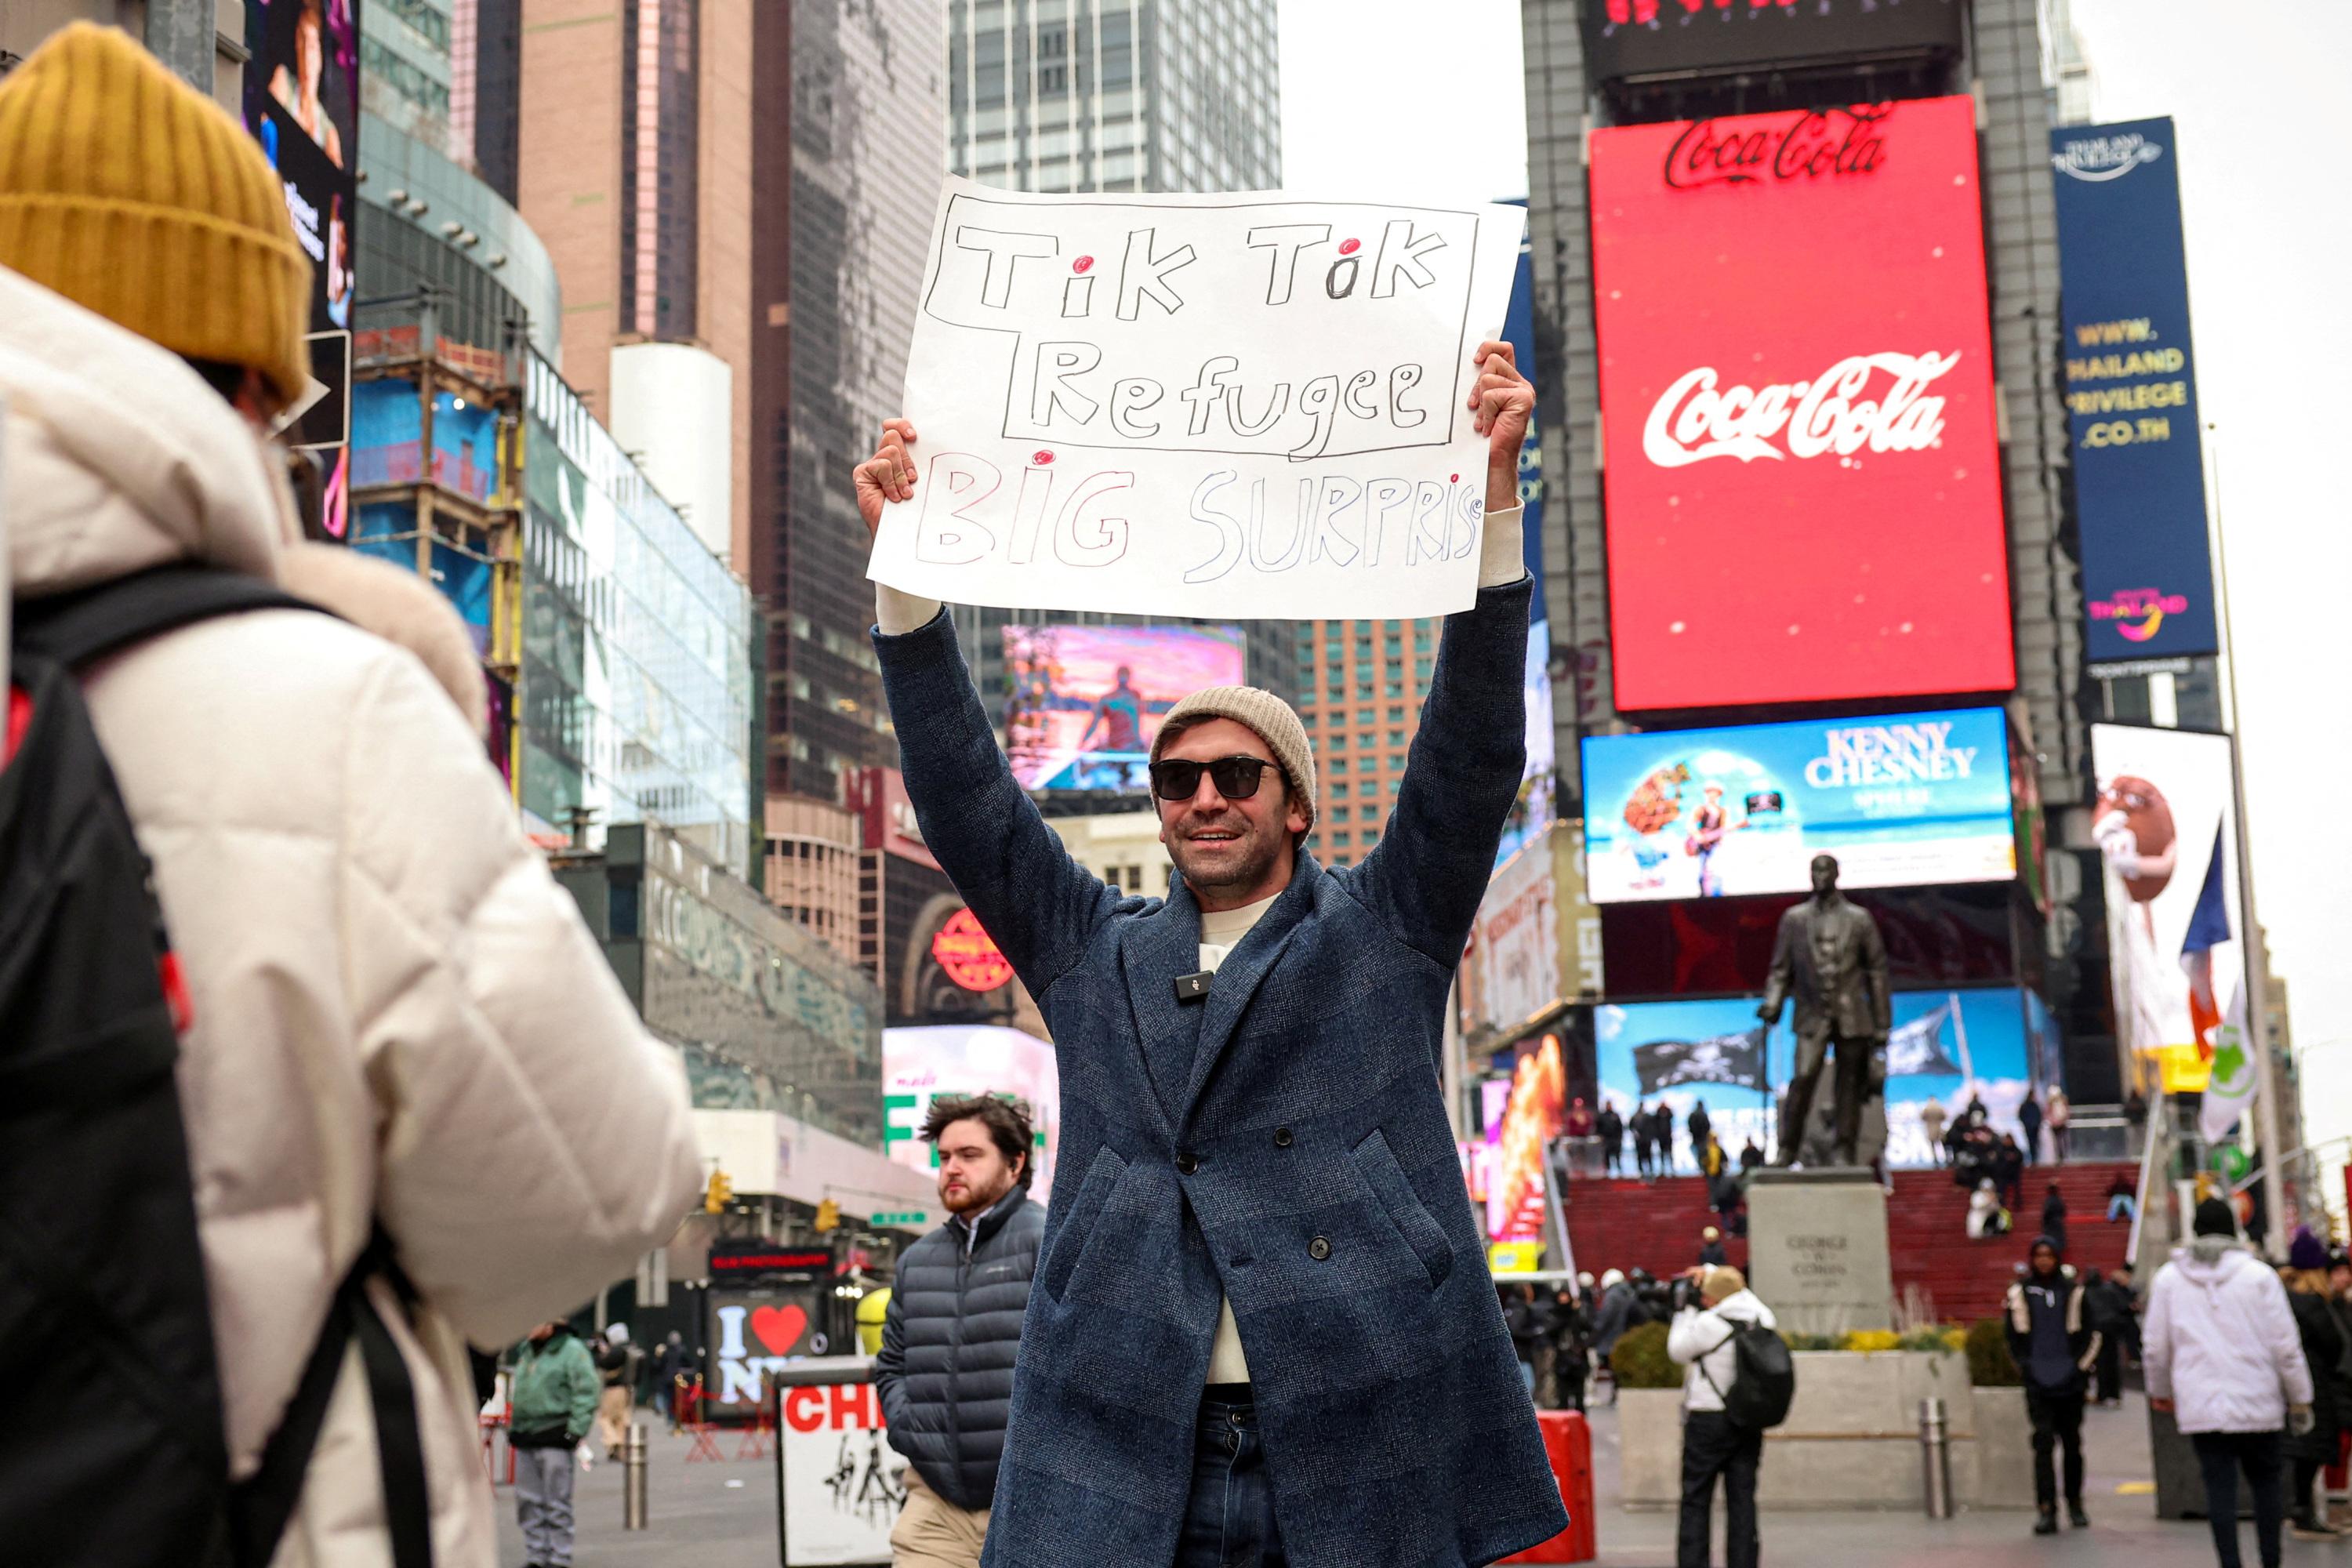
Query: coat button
column 1187, row 1162
column 1282, row 1137
column 1319, row 1250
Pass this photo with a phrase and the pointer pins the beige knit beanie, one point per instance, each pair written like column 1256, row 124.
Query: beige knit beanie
column 1263, row 711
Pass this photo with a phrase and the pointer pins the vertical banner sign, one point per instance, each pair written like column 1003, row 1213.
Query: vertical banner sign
column 2131, row 392
column 1533, row 810
column 1800, row 467
column 1216, row 406
column 302, row 104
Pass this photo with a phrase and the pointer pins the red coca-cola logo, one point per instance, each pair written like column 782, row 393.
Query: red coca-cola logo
column 1812, row 144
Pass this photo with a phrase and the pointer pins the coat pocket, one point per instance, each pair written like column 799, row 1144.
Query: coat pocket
column 1077, row 1231
column 1377, row 1165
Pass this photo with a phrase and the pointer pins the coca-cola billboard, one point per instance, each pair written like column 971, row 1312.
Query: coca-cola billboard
column 1801, row 465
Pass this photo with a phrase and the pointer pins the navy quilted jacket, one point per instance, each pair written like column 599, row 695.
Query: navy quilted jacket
column 1283, row 1142
column 945, row 1374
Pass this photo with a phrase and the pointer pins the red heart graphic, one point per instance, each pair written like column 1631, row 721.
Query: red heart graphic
column 1349, row 246
column 1082, row 263
column 1041, row 456
column 778, row 1327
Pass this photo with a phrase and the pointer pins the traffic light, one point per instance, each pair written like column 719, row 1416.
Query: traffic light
column 718, row 1194
column 828, row 1215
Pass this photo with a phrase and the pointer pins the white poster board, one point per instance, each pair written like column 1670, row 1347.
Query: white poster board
column 842, row 1481
column 1208, row 405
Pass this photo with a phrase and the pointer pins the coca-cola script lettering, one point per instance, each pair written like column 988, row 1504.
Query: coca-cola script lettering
column 1816, row 143
column 1695, row 421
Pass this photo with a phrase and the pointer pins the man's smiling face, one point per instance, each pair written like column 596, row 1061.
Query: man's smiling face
column 1231, row 851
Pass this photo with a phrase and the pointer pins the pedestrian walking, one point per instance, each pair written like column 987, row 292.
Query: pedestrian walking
column 1932, row 1121
column 1662, row 1129
column 2053, row 1215
column 1610, row 1322
column 1529, row 1327
column 2009, row 1171
column 2054, row 1341
column 2028, row 1123
column 550, row 1410
column 1571, row 1355
column 1710, row 1248
column 672, row 1372
column 616, row 1370
column 396, row 1053
column 953, row 1327
column 1751, row 1157
column 1612, row 1137
column 1644, row 1142
column 1702, row 1340
column 2225, row 1360
column 2112, row 1310
column 1701, row 1127
column 1202, row 1352
column 2327, row 1345
column 2061, row 1120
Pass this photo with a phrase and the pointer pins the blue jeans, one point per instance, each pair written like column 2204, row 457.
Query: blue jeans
column 1229, row 1520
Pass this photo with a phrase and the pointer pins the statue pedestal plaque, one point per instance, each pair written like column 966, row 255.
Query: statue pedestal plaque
column 1817, row 1249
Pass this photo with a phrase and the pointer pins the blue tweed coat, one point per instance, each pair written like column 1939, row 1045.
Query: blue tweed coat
column 1285, row 1143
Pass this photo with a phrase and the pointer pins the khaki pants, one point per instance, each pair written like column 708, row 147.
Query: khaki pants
column 613, row 1408
column 932, row 1532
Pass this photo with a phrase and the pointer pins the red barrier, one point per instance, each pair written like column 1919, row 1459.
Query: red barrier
column 1568, row 1443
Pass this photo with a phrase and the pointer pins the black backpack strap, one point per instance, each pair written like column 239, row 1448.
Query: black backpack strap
column 87, row 623
column 260, row 1506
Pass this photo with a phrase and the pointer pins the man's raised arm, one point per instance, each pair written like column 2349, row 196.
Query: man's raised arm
column 1038, row 904
column 1427, row 876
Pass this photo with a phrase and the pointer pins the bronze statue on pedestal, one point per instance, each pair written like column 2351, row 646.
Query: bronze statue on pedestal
column 1830, row 958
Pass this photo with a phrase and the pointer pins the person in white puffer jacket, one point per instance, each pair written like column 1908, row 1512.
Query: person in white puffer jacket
column 397, row 1019
column 2223, row 1357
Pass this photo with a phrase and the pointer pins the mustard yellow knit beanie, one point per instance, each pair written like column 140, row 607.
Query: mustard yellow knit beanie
column 131, row 193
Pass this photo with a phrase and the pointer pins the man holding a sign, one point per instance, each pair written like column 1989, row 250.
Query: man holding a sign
column 1262, row 1329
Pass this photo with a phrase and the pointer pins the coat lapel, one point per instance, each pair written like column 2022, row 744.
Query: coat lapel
column 1238, row 977
column 1152, row 951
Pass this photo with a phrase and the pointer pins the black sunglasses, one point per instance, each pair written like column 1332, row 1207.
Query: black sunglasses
column 1236, row 777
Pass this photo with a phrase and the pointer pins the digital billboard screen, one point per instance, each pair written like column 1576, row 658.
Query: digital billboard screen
column 1905, row 800
column 302, row 104
column 1946, row 1046
column 1083, row 703
column 2131, row 392
column 1635, row 38
column 1801, row 470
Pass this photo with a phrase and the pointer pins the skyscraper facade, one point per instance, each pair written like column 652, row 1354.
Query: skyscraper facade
column 1113, row 95
column 738, row 197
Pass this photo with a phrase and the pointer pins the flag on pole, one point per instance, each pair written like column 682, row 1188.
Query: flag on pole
column 2219, row 1022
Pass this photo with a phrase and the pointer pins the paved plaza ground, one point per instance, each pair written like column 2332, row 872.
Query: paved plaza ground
column 724, row 1515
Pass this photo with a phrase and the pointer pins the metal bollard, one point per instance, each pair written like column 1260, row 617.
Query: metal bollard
column 1936, row 1457
column 633, row 1478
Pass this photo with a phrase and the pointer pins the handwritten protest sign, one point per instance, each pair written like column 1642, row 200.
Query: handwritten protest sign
column 1215, row 405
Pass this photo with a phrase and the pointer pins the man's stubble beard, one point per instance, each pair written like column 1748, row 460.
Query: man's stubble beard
column 1262, row 850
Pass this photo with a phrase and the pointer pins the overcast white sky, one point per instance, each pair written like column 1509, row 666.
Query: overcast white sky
column 1375, row 94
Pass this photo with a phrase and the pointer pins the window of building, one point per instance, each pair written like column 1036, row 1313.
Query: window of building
column 1337, row 765
column 1340, row 813
column 1395, row 785
column 1421, row 668
column 1396, row 715
column 1363, row 715
column 1343, row 840
column 1396, row 688
column 1339, row 791
column 1340, row 742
